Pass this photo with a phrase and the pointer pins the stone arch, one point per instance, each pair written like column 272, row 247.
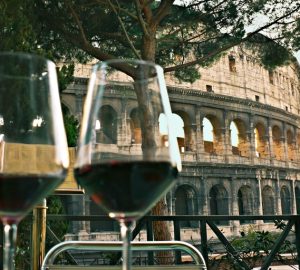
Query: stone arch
column 186, row 203
column 290, row 145
column 245, row 201
column 277, row 143
column 215, row 145
column 242, row 147
column 107, row 132
column 218, row 202
column 260, row 140
column 285, row 199
column 135, row 127
column 268, row 200
column 185, row 142
column 297, row 197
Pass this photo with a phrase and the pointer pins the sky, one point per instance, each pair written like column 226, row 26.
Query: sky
column 259, row 21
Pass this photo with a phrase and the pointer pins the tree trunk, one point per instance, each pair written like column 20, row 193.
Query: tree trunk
column 161, row 231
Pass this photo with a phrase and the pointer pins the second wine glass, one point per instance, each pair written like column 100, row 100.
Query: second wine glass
column 128, row 156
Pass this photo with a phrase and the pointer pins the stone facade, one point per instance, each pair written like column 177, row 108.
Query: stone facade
column 260, row 174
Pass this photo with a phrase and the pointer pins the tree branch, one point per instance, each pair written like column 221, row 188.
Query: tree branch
column 78, row 22
column 162, row 11
column 227, row 47
column 118, row 8
column 140, row 17
column 124, row 30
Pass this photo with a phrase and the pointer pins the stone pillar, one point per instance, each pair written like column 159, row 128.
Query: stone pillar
column 123, row 130
column 259, row 197
column 199, row 134
column 225, row 131
column 277, row 195
column 78, row 103
column 270, row 143
column 294, row 202
column 87, row 202
column 251, row 138
column 284, row 144
column 204, row 193
column 234, row 206
column 192, row 146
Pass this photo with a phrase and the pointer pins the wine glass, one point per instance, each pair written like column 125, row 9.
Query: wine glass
column 33, row 147
column 128, row 156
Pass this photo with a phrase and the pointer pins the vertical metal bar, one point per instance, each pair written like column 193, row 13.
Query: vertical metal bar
column 297, row 231
column 177, row 237
column 204, row 247
column 150, row 238
column 230, row 249
column 38, row 235
column 277, row 245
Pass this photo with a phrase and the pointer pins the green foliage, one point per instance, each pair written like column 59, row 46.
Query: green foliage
column 79, row 30
column 189, row 74
column 65, row 76
column 71, row 127
column 60, row 228
column 253, row 246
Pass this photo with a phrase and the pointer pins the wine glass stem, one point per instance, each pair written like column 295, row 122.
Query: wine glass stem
column 10, row 235
column 126, row 236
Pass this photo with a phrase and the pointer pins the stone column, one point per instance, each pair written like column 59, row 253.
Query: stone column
column 78, row 103
column 270, row 143
column 284, row 143
column 277, row 195
column 259, row 197
column 234, row 206
column 294, row 202
column 225, row 131
column 199, row 134
column 204, row 193
column 192, row 146
column 251, row 138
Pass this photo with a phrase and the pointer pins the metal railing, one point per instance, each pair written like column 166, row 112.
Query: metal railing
column 206, row 222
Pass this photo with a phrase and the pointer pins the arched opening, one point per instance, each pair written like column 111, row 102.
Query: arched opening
column 285, row 199
column 245, row 202
column 101, row 226
column 135, row 125
column 268, row 201
column 238, row 137
column 178, row 127
column 107, row 132
column 234, row 139
column 277, row 146
column 260, row 141
column 290, row 145
column 211, row 135
column 186, row 204
column 297, row 195
column 218, row 200
column 184, row 140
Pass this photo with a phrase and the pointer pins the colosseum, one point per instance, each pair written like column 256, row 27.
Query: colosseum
column 239, row 146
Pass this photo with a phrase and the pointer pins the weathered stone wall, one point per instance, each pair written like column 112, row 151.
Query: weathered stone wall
column 261, row 175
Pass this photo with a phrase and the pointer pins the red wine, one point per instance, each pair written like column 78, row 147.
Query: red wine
column 19, row 193
column 126, row 189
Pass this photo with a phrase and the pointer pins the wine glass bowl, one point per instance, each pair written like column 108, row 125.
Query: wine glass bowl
column 33, row 147
column 127, row 156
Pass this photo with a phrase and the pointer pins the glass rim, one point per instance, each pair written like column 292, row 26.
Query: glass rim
column 127, row 60
column 26, row 55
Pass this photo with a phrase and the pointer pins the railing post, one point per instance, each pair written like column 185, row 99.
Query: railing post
column 297, row 231
column 177, row 237
column 204, row 247
column 38, row 240
column 150, row 238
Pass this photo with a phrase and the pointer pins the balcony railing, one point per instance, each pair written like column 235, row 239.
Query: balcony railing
column 209, row 223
